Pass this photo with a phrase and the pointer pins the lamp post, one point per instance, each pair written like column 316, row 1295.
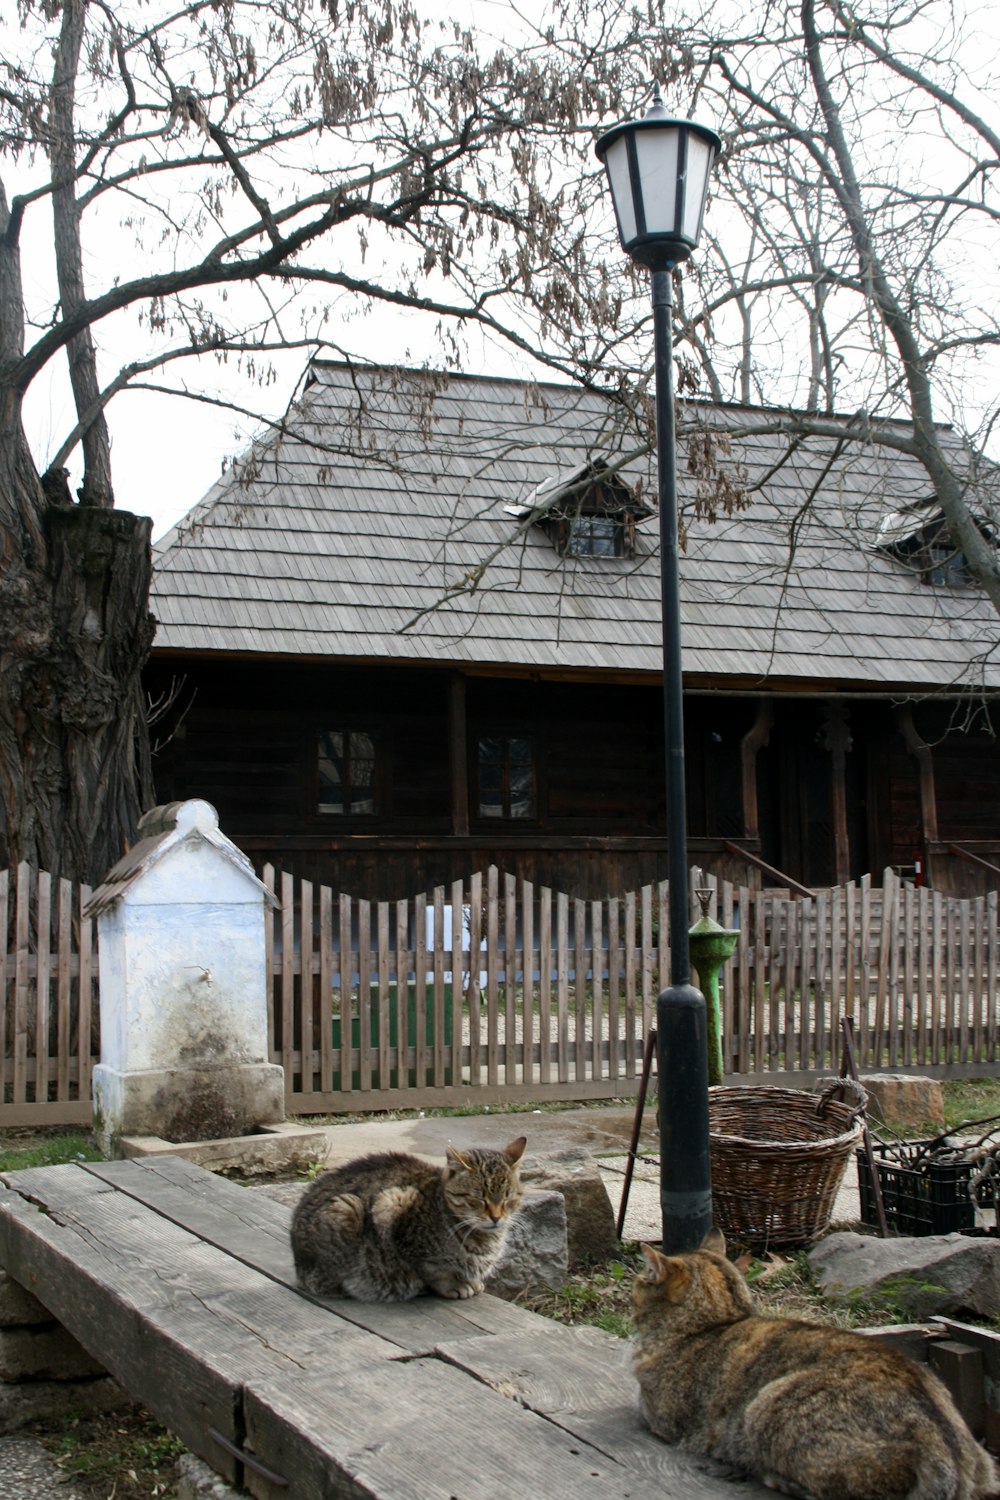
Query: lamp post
column 658, row 169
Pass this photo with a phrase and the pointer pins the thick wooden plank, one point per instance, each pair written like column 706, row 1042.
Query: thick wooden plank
column 421, row 1430
column 248, row 1225
column 177, row 1322
column 254, row 1229
column 579, row 1378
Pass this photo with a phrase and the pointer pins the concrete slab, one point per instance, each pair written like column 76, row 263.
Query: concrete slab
column 268, row 1150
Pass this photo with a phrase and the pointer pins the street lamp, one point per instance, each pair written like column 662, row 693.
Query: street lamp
column 658, row 169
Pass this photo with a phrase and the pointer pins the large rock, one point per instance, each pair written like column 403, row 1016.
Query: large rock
column 590, row 1219
column 902, row 1101
column 50, row 1401
column 534, row 1256
column 917, row 1277
column 46, row 1352
column 18, row 1307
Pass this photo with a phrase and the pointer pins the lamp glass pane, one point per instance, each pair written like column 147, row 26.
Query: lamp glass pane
column 699, row 165
column 657, row 155
column 616, row 162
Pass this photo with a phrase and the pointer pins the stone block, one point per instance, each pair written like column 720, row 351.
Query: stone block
column 903, row 1101
column 534, row 1257
column 18, row 1308
column 590, row 1219
column 951, row 1274
column 44, row 1353
column 196, row 1481
column 54, row 1400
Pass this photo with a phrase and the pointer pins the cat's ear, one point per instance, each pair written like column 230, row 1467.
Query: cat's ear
column 456, row 1160
column 668, row 1271
column 515, row 1150
column 715, row 1242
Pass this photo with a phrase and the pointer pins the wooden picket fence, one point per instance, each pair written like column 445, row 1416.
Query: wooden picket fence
column 492, row 991
column 48, row 1000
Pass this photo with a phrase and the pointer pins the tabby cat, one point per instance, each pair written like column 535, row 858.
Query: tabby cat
column 386, row 1228
column 810, row 1410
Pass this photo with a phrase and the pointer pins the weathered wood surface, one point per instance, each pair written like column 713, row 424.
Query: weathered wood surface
column 178, row 1322
column 182, row 1284
column 254, row 1229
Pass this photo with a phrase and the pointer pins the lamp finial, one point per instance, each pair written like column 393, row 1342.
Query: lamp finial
column 657, row 107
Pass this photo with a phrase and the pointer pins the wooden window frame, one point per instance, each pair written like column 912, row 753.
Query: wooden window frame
column 347, row 814
column 506, row 818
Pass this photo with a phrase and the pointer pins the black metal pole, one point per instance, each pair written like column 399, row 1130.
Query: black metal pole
column 681, row 1019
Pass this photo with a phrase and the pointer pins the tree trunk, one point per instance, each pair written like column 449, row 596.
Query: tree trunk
column 75, row 631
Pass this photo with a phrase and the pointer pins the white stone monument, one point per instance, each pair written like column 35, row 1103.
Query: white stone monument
column 184, row 1045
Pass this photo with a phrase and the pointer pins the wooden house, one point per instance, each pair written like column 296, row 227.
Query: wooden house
column 417, row 631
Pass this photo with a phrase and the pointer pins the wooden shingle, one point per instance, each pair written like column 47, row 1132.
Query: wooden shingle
column 365, row 547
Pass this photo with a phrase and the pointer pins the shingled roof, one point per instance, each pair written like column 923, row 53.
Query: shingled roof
column 386, row 520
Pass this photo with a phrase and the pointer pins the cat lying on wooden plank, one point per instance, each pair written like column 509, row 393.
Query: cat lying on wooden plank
column 387, row 1227
column 811, row 1410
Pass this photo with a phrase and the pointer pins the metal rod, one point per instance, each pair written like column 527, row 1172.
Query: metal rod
column 849, row 1069
column 681, row 1017
column 633, row 1150
column 673, row 703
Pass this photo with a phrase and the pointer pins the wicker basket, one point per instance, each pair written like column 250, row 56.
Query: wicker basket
column 778, row 1158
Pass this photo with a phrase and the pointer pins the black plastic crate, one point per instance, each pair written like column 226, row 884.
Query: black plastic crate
column 927, row 1197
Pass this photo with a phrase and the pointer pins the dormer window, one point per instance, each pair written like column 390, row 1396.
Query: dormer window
column 918, row 536
column 588, row 512
column 595, row 536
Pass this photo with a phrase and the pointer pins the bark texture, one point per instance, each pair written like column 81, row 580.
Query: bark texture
column 75, row 630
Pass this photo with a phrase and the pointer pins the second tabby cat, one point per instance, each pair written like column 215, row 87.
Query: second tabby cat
column 386, row 1227
column 810, row 1410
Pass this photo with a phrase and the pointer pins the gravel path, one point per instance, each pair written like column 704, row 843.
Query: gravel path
column 28, row 1472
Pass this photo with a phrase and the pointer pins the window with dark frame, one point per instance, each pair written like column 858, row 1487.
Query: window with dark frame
column 592, row 535
column 346, row 773
column 505, row 776
column 918, row 537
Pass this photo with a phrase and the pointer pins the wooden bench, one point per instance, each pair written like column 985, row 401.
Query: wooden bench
column 181, row 1283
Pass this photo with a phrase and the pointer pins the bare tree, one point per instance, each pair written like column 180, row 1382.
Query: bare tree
column 228, row 174
column 861, row 179
column 220, row 180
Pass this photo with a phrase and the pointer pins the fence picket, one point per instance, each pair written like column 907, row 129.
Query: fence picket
column 64, row 955
column 22, row 958
column 614, row 989
column 456, row 970
column 579, row 989
column 365, row 1027
column 562, row 985
column 509, row 979
column 84, row 1027
column 569, row 991
column 492, row 980
column 545, row 985
column 632, row 1015
column 475, row 996
column 308, row 1030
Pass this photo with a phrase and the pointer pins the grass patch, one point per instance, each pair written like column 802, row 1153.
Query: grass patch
column 126, row 1455
column 38, row 1150
column 600, row 1297
column 970, row 1099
